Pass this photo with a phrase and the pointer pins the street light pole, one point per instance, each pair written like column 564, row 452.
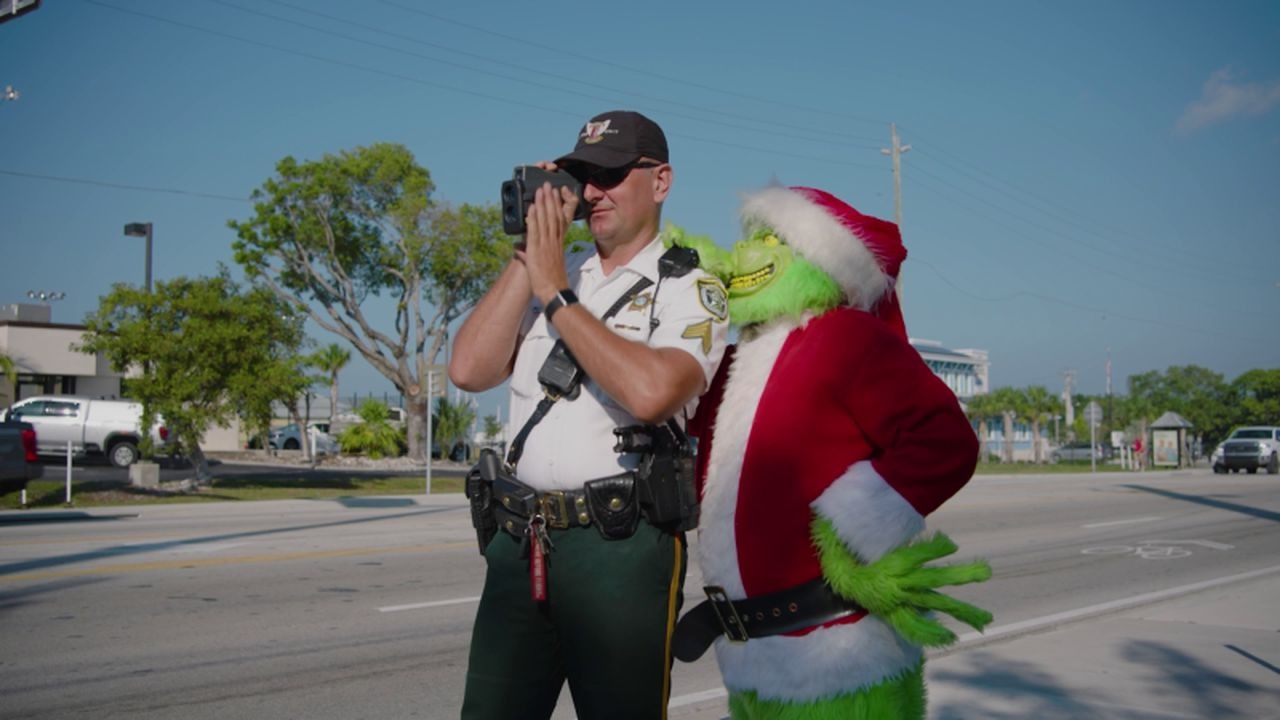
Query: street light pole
column 142, row 230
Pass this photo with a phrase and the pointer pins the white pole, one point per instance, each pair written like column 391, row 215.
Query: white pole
column 1093, row 444
column 431, row 386
column 68, row 472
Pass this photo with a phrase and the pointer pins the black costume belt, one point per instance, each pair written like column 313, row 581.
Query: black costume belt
column 796, row 608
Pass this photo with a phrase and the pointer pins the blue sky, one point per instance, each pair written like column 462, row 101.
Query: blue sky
column 1086, row 179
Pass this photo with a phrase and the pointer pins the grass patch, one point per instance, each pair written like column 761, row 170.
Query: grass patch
column 304, row 485
column 1027, row 468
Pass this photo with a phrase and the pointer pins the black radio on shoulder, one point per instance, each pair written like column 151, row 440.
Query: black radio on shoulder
column 517, row 195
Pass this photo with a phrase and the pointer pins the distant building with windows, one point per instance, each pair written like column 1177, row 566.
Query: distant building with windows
column 48, row 361
column 965, row 371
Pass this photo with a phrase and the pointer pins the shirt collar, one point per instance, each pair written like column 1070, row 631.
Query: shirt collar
column 644, row 264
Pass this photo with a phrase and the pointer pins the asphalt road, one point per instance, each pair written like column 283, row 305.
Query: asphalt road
column 361, row 608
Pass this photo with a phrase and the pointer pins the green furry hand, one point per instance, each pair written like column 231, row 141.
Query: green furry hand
column 711, row 257
column 899, row 589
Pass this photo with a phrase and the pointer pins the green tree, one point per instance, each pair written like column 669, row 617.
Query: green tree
column 982, row 408
column 1010, row 403
column 327, row 234
column 1198, row 394
column 208, row 352
column 492, row 428
column 374, row 436
column 1257, row 397
column 330, row 360
column 452, row 422
column 1040, row 405
column 9, row 369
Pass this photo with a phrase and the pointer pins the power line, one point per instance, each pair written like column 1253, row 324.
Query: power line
column 521, row 104
column 826, row 133
column 1020, row 293
column 124, row 186
column 639, row 71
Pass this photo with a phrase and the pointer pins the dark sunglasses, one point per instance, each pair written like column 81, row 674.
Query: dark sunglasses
column 609, row 178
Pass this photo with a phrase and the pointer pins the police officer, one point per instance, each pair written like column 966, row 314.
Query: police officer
column 562, row 601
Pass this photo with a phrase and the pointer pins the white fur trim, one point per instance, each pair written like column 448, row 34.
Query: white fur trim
column 822, row 664
column 821, row 239
column 717, row 540
column 868, row 514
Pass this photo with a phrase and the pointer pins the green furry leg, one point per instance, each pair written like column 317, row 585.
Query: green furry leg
column 899, row 698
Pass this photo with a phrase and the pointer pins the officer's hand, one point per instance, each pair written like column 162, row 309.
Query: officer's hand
column 547, row 222
column 898, row 589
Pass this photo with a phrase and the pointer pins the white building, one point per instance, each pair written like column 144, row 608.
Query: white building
column 966, row 371
column 48, row 362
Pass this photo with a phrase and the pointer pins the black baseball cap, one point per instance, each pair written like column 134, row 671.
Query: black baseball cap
column 617, row 138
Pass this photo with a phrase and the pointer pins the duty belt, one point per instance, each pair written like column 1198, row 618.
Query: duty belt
column 562, row 509
column 803, row 606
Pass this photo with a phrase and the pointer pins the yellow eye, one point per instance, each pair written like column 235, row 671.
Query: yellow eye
column 771, row 240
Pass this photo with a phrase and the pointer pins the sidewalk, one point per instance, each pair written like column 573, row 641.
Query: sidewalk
column 1213, row 654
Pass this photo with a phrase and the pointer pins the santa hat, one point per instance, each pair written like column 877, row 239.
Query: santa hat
column 863, row 253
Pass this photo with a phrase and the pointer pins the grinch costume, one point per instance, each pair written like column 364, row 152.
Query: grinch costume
column 823, row 444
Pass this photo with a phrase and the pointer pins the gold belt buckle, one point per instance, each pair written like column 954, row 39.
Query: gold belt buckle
column 555, row 509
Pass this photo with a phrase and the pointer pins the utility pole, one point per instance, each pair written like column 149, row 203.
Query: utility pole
column 1068, row 379
column 895, row 151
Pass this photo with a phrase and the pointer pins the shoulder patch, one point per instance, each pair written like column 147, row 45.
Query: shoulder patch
column 713, row 298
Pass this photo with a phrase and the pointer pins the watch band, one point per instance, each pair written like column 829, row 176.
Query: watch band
column 563, row 297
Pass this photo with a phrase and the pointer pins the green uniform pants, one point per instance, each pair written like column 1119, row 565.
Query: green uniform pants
column 605, row 627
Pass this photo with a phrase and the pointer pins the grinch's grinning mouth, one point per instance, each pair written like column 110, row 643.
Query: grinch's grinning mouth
column 753, row 279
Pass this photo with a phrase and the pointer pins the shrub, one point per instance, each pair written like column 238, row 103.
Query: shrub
column 375, row 436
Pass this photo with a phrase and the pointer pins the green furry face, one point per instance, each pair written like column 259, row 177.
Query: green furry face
column 770, row 281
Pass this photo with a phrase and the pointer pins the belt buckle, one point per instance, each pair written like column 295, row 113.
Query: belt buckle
column 557, row 512
column 730, row 621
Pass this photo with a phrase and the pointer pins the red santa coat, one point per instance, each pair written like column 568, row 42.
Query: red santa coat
column 837, row 416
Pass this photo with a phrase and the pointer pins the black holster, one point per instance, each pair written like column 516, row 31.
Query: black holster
column 478, row 488
column 665, row 482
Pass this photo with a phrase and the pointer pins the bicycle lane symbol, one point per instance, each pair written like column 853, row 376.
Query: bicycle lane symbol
column 1155, row 549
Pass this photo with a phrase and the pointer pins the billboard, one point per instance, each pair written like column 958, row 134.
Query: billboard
column 1164, row 448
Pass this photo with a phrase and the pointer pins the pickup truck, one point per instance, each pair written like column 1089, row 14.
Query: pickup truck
column 1248, row 449
column 110, row 427
column 18, row 461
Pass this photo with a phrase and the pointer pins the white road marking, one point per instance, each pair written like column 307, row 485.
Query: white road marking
column 438, row 603
column 1205, row 543
column 1049, row 621
column 1034, row 624
column 1121, row 522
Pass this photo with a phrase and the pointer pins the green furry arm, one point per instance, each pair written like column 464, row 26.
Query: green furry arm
column 898, row 589
column 711, row 257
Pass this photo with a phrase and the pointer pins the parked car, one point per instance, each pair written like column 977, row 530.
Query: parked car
column 110, row 427
column 18, row 460
column 1248, row 449
column 1080, row 451
column 288, row 438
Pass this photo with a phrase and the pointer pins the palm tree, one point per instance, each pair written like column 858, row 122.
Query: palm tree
column 329, row 360
column 452, row 421
column 1041, row 405
column 981, row 408
column 1010, row 402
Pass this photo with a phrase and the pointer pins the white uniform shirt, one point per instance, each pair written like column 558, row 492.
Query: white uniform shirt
column 574, row 442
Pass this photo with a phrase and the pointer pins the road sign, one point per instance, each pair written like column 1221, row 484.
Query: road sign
column 1093, row 413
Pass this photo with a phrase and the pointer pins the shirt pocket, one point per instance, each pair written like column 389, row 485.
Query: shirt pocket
column 533, row 353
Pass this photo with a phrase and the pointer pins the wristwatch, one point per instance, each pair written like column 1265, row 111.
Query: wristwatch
column 562, row 298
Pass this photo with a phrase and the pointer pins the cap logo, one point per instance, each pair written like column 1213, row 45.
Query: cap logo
column 594, row 132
